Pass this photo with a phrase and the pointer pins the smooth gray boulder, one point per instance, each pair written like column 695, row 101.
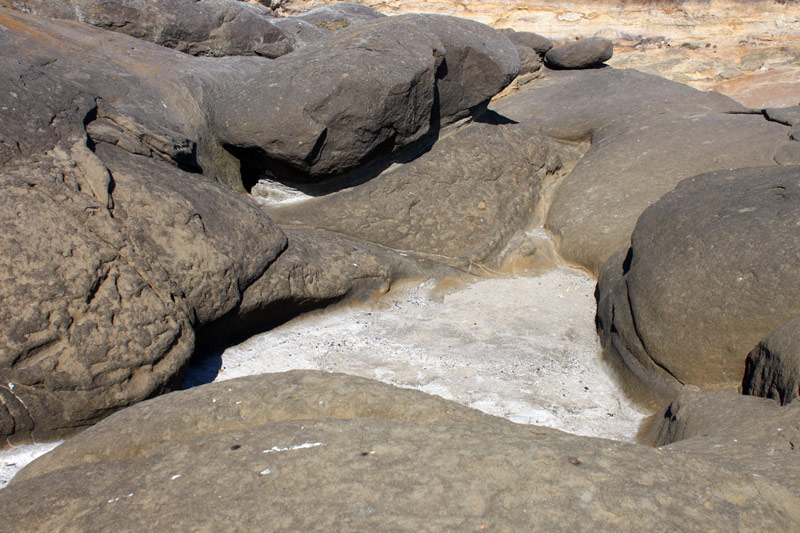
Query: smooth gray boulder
column 364, row 92
column 317, row 269
column 772, row 369
column 305, row 450
column 458, row 204
column 709, row 273
column 197, row 27
column 586, row 53
column 529, row 39
column 634, row 125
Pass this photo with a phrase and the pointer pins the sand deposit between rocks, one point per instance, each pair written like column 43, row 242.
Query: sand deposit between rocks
column 523, row 348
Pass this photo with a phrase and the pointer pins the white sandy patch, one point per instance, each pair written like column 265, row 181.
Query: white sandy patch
column 16, row 457
column 523, row 348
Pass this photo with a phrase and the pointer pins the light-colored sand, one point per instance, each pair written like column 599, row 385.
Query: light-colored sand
column 13, row 459
column 523, row 348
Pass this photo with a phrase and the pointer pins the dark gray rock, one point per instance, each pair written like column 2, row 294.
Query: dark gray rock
column 529, row 60
column 709, row 273
column 785, row 115
column 772, row 369
column 459, row 204
column 529, row 39
column 642, row 123
column 362, row 92
column 585, row 53
column 321, row 23
column 306, row 450
column 197, row 27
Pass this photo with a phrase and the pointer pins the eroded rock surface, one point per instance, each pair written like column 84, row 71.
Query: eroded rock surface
column 197, row 27
column 741, row 433
column 326, row 449
column 119, row 247
column 460, row 203
column 647, row 134
column 361, row 93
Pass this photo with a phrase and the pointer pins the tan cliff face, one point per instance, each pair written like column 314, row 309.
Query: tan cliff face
column 747, row 49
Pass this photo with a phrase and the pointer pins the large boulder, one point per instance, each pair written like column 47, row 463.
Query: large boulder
column 306, row 450
column 460, row 203
column 373, row 89
column 585, row 53
column 118, row 248
column 197, row 27
column 711, row 270
column 634, row 124
column 108, row 266
column 772, row 369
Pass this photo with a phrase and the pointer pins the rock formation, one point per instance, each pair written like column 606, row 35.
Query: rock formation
column 305, row 450
column 157, row 203
column 710, row 271
column 747, row 49
column 99, row 144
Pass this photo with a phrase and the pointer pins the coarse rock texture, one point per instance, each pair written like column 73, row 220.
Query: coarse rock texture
column 108, row 156
column 585, row 53
column 321, row 23
column 711, row 270
column 197, row 27
column 740, row 433
column 316, row 450
column 460, row 203
column 773, row 367
column 318, row 268
column 361, row 93
column 100, row 302
column 112, row 321
column 635, row 133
